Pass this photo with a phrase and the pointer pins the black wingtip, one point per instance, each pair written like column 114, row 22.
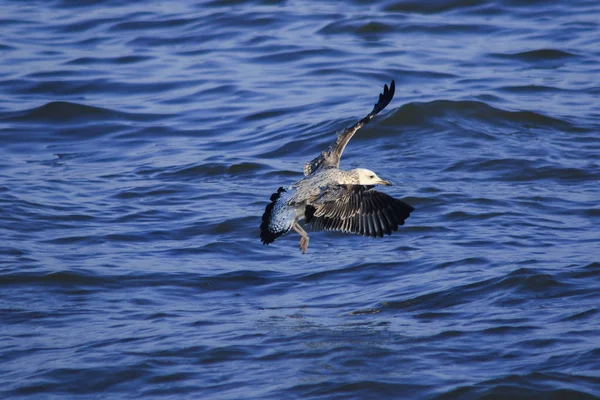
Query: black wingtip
column 402, row 211
column 385, row 98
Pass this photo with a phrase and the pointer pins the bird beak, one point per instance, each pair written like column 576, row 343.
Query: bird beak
column 386, row 183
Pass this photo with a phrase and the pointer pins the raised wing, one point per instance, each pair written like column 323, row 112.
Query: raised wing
column 357, row 209
column 331, row 157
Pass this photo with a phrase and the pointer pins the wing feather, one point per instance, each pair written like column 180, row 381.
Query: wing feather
column 357, row 209
column 365, row 219
column 331, row 157
column 377, row 221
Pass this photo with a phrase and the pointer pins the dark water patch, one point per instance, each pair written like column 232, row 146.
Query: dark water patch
column 433, row 7
column 68, row 112
column 526, row 169
column 17, row 316
column 333, row 273
column 229, row 226
column 517, row 287
column 530, row 89
column 11, row 251
column 6, row 47
column 130, row 236
column 364, row 389
column 461, row 29
column 591, row 270
column 489, row 98
column 470, row 261
column 285, row 149
column 78, row 87
column 219, row 90
column 422, row 113
column 540, row 55
column 15, row 21
column 223, row 3
column 159, row 315
column 425, row 75
column 192, row 172
column 465, row 216
column 75, row 4
column 108, row 60
column 528, row 386
column 374, row 27
column 584, row 361
column 155, row 41
column 151, row 25
column 443, row 299
column 424, row 229
column 85, row 25
column 369, row 272
column 583, row 315
column 190, row 251
column 169, row 378
column 238, row 280
column 368, row 311
column 59, row 111
column 294, row 56
column 560, row 174
column 502, row 330
column 538, row 344
column 142, row 134
column 525, row 280
column 251, row 20
column 157, row 191
column 438, row 315
column 496, row 203
column 84, row 381
column 367, row 29
column 80, row 277
column 68, row 217
column 592, row 212
column 93, row 41
column 270, row 114
column 141, row 216
column 356, row 27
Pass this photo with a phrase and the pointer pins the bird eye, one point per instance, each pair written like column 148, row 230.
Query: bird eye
column 372, row 176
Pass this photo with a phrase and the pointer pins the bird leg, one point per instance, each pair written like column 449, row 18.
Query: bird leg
column 304, row 240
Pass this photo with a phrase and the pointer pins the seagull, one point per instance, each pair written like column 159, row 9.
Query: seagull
column 332, row 199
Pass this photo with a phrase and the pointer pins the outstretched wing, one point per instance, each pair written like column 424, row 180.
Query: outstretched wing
column 331, row 157
column 357, row 209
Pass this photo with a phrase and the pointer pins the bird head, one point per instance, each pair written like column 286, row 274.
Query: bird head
column 368, row 177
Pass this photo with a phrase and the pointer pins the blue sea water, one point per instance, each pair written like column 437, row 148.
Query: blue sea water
column 140, row 142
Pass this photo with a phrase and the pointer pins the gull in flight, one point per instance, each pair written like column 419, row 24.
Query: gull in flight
column 332, row 199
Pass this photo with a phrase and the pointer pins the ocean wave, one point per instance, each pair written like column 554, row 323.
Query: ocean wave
column 418, row 112
column 69, row 112
column 536, row 55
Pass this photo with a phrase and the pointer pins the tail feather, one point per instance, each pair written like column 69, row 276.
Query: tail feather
column 271, row 229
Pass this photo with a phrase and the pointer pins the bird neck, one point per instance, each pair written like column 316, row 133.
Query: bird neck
column 349, row 177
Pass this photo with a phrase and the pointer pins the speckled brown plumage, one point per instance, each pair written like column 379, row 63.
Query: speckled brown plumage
column 329, row 198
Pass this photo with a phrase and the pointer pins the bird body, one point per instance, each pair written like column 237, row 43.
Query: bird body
column 329, row 198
